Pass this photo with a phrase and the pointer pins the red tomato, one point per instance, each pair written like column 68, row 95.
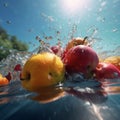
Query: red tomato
column 81, row 59
column 106, row 71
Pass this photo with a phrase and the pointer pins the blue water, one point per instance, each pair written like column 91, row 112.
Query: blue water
column 82, row 100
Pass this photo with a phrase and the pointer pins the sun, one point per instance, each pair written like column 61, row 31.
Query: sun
column 73, row 6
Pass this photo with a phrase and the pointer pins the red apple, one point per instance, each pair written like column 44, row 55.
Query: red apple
column 115, row 60
column 106, row 71
column 81, row 59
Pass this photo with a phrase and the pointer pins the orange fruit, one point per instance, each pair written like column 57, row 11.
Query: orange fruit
column 3, row 80
column 42, row 70
column 75, row 42
column 115, row 60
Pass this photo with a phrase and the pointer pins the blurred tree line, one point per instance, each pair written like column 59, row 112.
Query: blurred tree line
column 8, row 43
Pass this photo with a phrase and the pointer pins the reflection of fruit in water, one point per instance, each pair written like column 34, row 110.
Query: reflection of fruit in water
column 113, row 89
column 4, row 100
column 81, row 59
column 88, row 94
column 49, row 94
column 115, row 60
column 106, row 71
column 42, row 70
column 3, row 80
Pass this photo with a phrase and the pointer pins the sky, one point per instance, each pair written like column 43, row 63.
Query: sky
column 54, row 20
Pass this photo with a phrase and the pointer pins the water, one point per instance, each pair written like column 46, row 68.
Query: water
column 49, row 23
column 96, row 98
column 77, row 98
column 73, row 99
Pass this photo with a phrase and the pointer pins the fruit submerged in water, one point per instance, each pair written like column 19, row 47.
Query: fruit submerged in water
column 81, row 59
column 42, row 70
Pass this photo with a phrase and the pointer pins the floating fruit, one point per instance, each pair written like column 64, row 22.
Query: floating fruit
column 81, row 59
column 106, row 71
column 3, row 80
column 75, row 42
column 42, row 70
column 115, row 60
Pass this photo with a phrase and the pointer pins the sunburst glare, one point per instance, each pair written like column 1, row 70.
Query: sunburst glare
column 74, row 6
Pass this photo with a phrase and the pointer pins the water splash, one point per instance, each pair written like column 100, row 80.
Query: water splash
column 92, row 91
column 15, row 58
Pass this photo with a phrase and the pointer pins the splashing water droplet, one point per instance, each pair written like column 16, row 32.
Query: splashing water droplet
column 13, row 64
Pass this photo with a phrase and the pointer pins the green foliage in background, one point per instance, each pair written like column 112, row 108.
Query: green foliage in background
column 8, row 43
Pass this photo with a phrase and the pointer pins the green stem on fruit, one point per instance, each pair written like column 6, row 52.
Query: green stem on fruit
column 85, row 39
